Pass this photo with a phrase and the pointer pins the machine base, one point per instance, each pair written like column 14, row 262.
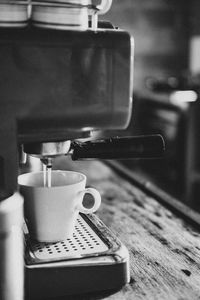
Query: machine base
column 92, row 260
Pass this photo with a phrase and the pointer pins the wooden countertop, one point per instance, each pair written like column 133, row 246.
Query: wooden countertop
column 164, row 249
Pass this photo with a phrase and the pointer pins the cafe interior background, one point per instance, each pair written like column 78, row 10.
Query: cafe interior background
column 166, row 89
column 166, row 86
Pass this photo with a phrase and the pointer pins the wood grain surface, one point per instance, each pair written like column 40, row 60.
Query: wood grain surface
column 164, row 250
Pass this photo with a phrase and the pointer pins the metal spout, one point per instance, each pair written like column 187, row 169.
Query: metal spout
column 48, row 149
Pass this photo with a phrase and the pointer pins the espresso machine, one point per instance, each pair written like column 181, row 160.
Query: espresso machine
column 58, row 87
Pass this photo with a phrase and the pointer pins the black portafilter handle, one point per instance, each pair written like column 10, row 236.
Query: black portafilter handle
column 130, row 147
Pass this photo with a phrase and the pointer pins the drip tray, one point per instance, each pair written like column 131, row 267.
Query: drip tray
column 92, row 260
column 84, row 242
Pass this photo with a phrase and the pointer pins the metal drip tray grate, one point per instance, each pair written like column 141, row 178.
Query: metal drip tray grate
column 85, row 241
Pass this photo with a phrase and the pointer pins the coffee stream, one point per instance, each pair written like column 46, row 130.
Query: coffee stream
column 47, row 171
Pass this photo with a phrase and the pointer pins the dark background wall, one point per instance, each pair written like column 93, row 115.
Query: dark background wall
column 160, row 29
column 195, row 17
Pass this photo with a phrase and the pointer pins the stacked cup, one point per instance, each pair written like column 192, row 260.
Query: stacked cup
column 62, row 14
column 14, row 13
column 57, row 14
column 66, row 14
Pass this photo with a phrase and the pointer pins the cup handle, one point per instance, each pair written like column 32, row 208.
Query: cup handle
column 103, row 7
column 97, row 201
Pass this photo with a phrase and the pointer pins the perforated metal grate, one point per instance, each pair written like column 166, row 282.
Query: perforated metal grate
column 84, row 241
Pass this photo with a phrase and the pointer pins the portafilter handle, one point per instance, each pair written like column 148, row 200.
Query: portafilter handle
column 149, row 146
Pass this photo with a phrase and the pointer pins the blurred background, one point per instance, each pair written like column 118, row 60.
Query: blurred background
column 166, row 89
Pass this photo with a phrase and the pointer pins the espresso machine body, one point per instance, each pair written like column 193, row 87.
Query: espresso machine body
column 60, row 85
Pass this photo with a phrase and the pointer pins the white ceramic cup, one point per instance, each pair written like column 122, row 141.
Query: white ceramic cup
column 103, row 7
column 58, row 15
column 51, row 212
column 13, row 14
